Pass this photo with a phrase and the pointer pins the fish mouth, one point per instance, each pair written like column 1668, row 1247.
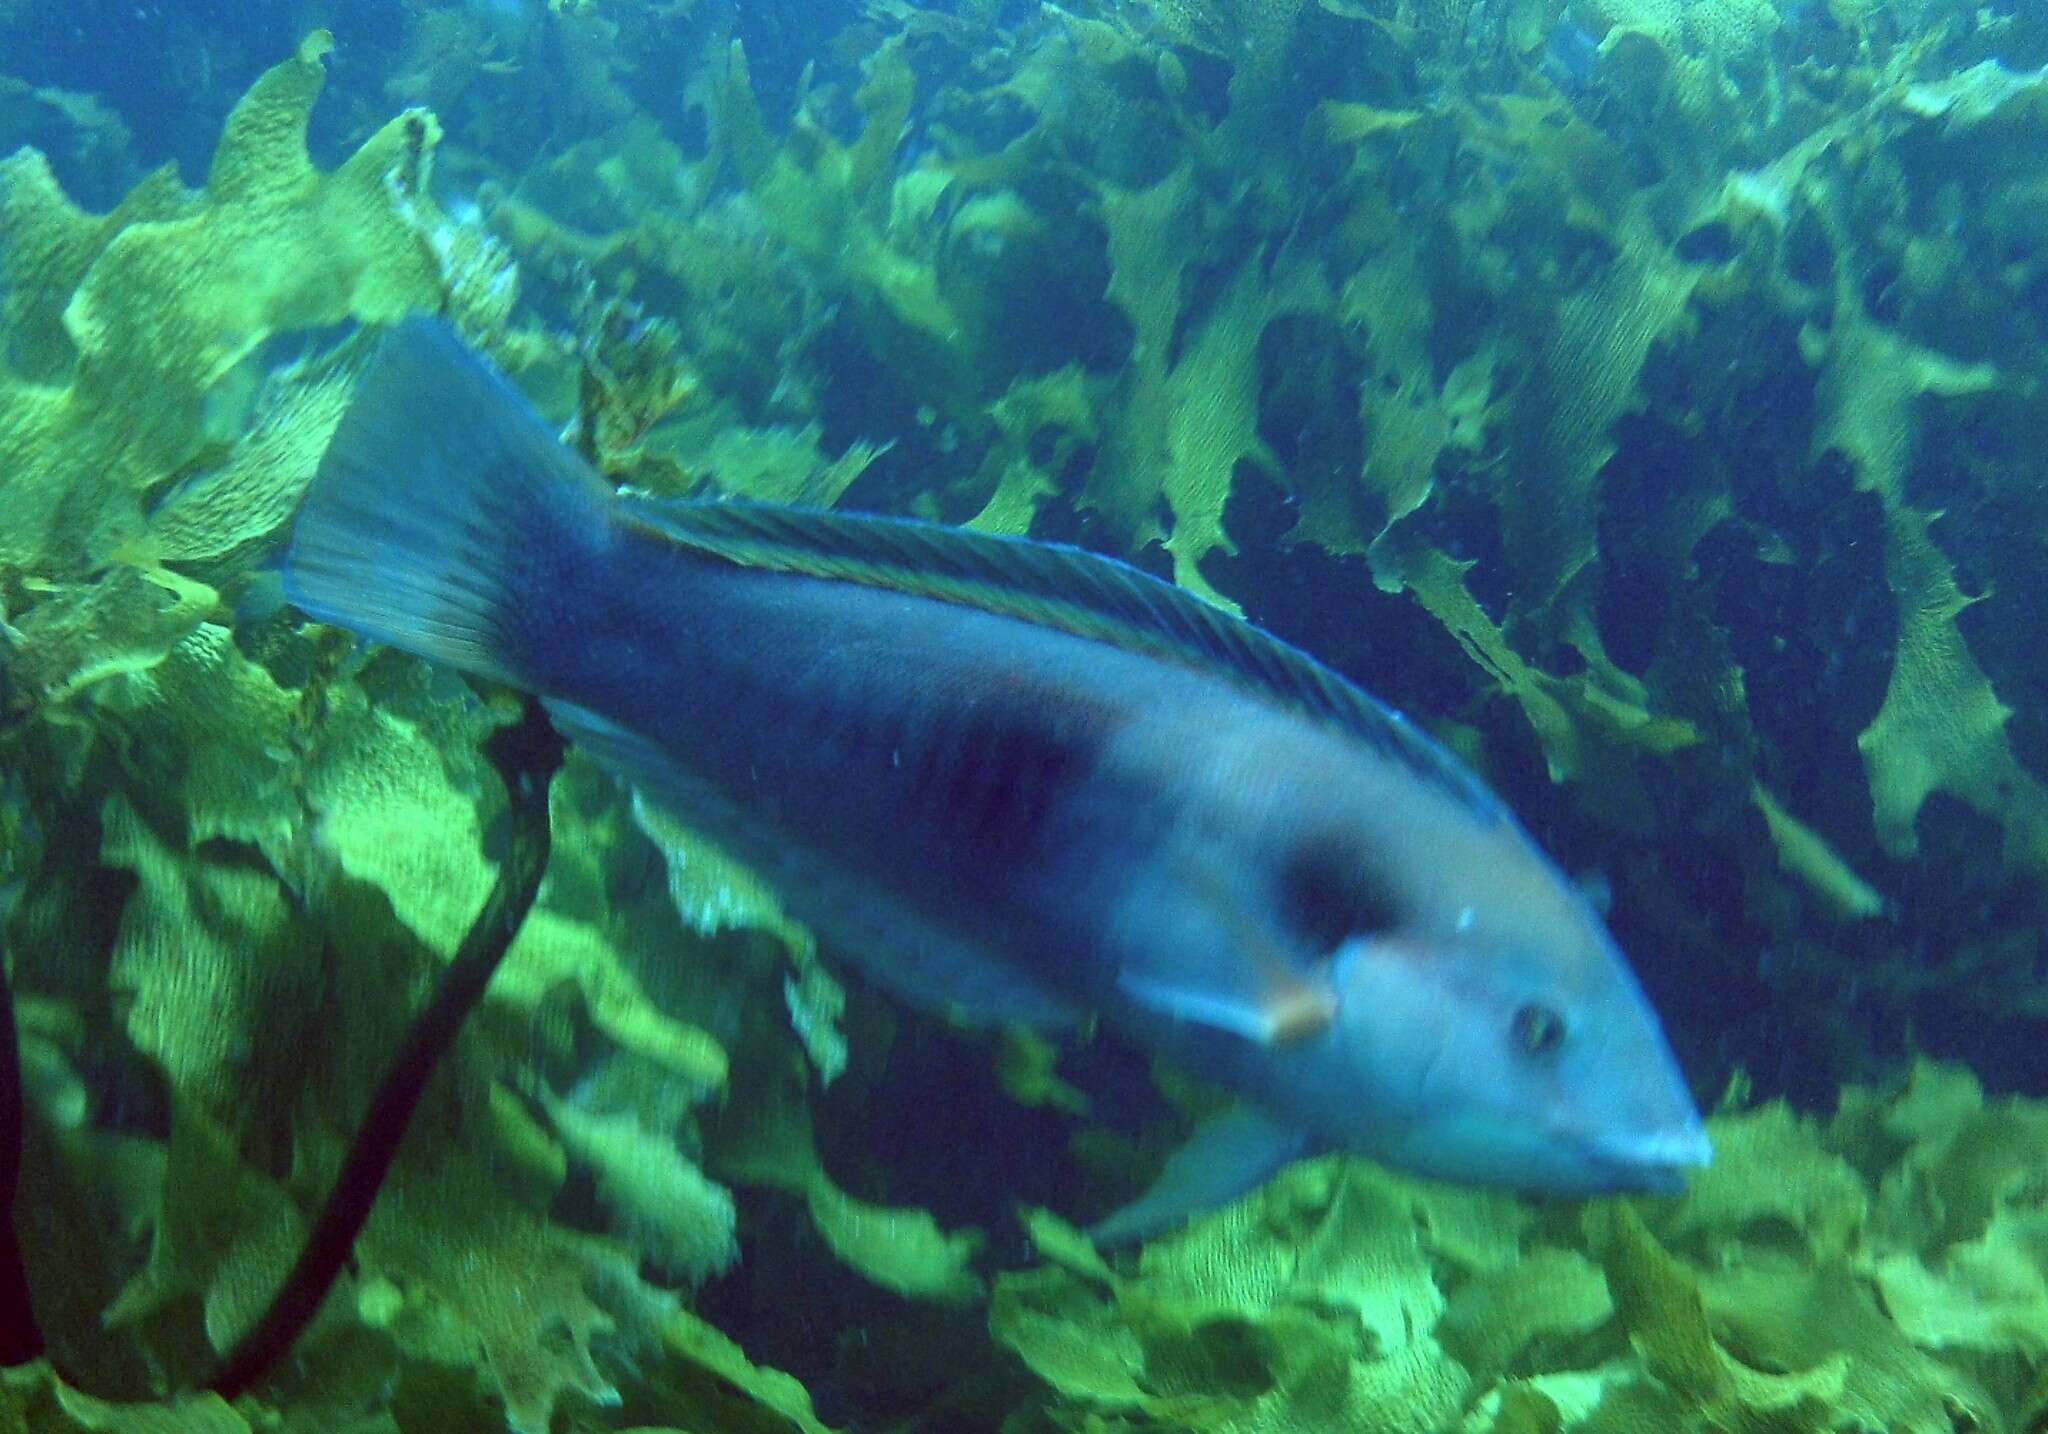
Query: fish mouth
column 1656, row 1164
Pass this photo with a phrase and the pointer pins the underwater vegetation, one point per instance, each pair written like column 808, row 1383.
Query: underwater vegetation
column 1641, row 393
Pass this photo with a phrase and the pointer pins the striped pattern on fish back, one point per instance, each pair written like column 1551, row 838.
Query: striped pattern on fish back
column 1063, row 588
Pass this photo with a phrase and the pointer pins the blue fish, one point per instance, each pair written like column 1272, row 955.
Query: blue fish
column 1021, row 782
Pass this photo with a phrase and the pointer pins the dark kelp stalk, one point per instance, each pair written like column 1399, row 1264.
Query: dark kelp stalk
column 1641, row 395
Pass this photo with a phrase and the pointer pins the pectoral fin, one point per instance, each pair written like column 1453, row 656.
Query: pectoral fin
column 1225, row 971
column 1231, row 1152
column 1268, row 1011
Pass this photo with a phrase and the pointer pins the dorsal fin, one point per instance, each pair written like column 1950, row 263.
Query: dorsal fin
column 1060, row 587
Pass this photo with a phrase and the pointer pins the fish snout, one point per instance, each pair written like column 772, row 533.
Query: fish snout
column 1657, row 1163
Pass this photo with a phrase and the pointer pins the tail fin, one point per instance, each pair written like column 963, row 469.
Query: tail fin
column 442, row 510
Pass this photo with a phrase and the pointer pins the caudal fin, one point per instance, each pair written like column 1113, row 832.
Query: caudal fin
column 443, row 512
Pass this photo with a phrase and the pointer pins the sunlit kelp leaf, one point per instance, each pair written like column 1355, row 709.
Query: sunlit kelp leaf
column 403, row 807
column 172, row 301
column 1309, row 1304
column 1263, row 95
column 1942, row 727
column 274, row 243
column 1333, row 1234
column 868, row 228
column 1064, row 1245
column 1181, row 426
column 660, row 1201
column 712, row 893
column 528, row 1158
column 1825, row 1319
column 1659, row 1303
column 1408, row 420
column 159, row 302
column 1064, row 408
column 1603, row 712
column 1983, row 91
column 766, row 1139
column 1989, row 1295
column 1713, row 1340
column 1548, row 1297
column 221, row 972
column 491, row 1285
column 1354, row 1243
column 1408, row 427
column 781, row 465
column 1967, row 1159
column 1344, row 122
column 465, row 1273
column 1151, row 240
column 1706, row 1332
column 1804, row 853
column 1071, row 1336
column 81, row 634
column 718, row 1385
column 1212, row 422
column 553, row 950
column 1587, row 377
column 51, row 245
column 250, row 496
column 34, row 1397
column 1771, row 1182
column 900, row 1248
column 224, row 1237
column 213, row 727
column 629, row 1121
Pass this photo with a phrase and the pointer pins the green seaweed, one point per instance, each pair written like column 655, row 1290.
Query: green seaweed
column 1757, row 1302
column 1557, row 381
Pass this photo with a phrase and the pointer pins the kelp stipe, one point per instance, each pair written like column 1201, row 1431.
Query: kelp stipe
column 527, row 755
column 20, row 1338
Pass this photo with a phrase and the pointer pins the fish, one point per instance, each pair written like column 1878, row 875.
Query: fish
column 1571, row 54
column 1014, row 781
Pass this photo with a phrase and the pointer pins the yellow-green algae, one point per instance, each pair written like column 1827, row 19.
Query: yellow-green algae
column 1794, row 1288
column 357, row 790
column 1500, row 282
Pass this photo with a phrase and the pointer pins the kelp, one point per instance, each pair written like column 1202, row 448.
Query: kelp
column 302, row 834
column 1763, row 1299
column 1645, row 389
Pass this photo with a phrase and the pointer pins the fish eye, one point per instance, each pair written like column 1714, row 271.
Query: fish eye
column 1538, row 1030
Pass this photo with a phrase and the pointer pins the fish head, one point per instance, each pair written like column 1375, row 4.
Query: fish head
column 1496, row 1059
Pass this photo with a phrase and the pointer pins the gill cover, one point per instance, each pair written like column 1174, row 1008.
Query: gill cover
column 1492, row 1066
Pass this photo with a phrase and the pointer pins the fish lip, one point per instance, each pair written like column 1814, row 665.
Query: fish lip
column 1659, row 1163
